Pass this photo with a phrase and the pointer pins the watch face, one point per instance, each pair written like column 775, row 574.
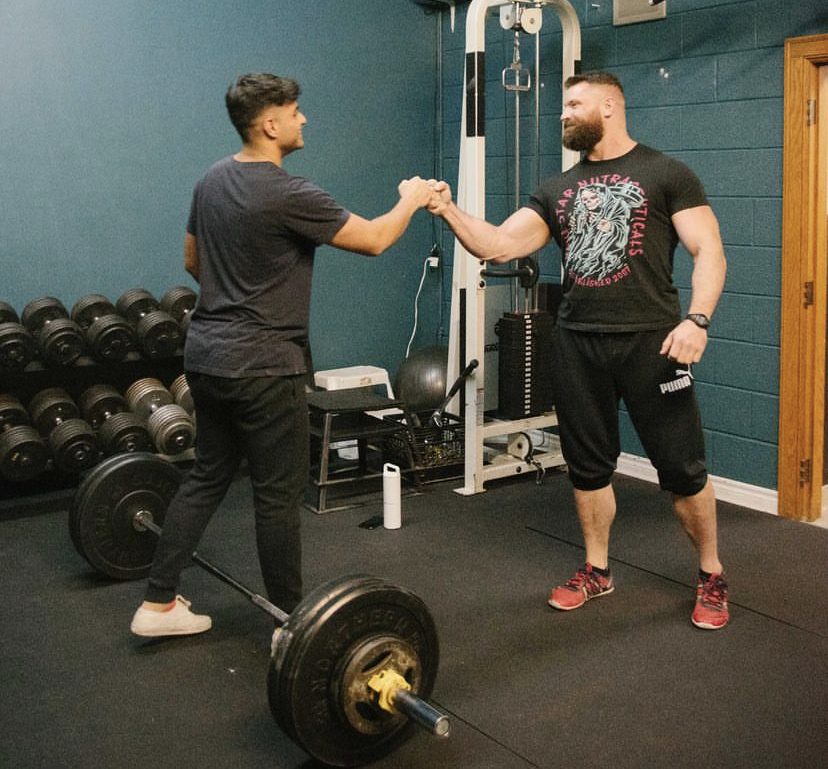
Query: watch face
column 702, row 321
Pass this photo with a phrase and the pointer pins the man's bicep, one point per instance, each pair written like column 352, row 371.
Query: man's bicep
column 525, row 232
column 357, row 234
column 697, row 227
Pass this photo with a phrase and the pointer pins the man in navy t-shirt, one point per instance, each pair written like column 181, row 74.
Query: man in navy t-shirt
column 250, row 241
column 618, row 216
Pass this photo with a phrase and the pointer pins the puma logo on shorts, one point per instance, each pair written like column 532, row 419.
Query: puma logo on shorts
column 683, row 380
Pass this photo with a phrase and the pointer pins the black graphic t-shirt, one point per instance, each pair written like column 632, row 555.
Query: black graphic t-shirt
column 611, row 219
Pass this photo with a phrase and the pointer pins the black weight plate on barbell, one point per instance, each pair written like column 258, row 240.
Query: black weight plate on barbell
column 313, row 649
column 104, row 507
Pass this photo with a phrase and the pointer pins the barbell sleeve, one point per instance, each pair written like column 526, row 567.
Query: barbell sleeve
column 422, row 713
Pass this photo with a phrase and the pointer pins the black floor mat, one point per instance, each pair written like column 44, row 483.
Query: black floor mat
column 624, row 682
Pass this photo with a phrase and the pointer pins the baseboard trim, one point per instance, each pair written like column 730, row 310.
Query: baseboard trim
column 727, row 490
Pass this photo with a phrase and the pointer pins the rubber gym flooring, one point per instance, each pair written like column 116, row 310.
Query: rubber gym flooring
column 626, row 681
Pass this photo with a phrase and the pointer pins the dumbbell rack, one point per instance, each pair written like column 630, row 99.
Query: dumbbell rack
column 75, row 378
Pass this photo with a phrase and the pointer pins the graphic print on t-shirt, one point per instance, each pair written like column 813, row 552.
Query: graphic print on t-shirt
column 603, row 225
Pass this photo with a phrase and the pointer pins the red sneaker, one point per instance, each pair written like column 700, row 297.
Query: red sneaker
column 586, row 584
column 710, row 612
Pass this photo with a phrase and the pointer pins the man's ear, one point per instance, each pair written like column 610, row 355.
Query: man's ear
column 609, row 105
column 271, row 130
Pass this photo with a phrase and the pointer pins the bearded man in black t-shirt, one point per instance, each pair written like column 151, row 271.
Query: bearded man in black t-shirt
column 617, row 217
column 250, row 241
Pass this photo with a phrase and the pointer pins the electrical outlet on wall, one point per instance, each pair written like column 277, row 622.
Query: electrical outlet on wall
column 434, row 257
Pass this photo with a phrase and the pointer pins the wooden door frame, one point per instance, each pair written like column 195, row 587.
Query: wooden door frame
column 803, row 306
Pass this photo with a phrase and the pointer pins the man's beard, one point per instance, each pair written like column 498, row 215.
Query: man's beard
column 582, row 137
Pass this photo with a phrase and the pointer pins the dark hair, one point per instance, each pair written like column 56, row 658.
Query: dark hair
column 250, row 94
column 596, row 78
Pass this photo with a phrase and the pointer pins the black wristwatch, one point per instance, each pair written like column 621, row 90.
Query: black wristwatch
column 702, row 321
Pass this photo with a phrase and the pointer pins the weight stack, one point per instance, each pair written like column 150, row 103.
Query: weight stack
column 525, row 364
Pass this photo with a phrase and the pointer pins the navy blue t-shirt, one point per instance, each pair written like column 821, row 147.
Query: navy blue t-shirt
column 256, row 228
column 611, row 219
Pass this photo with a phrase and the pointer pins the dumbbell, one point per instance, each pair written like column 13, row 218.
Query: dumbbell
column 181, row 394
column 179, row 302
column 170, row 426
column 72, row 441
column 109, row 337
column 8, row 314
column 119, row 430
column 59, row 338
column 159, row 334
column 23, row 454
column 17, row 346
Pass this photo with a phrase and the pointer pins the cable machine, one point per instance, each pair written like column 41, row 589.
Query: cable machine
column 468, row 300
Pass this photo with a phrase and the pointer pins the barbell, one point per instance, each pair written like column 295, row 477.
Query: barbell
column 354, row 662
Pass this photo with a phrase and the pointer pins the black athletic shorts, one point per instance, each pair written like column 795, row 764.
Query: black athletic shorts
column 592, row 373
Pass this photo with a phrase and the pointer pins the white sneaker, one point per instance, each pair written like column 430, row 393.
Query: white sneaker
column 176, row 621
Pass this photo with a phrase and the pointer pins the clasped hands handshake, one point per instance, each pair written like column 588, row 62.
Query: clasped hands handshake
column 426, row 193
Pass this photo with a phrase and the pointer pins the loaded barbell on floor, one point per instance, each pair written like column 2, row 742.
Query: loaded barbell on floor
column 354, row 662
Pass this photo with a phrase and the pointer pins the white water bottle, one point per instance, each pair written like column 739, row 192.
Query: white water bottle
column 391, row 509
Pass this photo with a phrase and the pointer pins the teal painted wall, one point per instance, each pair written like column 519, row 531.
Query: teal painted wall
column 109, row 112
column 111, row 109
column 720, row 111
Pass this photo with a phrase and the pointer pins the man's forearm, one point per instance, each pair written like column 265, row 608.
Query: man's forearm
column 390, row 226
column 707, row 281
column 478, row 237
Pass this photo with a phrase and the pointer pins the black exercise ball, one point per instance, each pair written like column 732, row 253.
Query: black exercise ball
column 421, row 379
